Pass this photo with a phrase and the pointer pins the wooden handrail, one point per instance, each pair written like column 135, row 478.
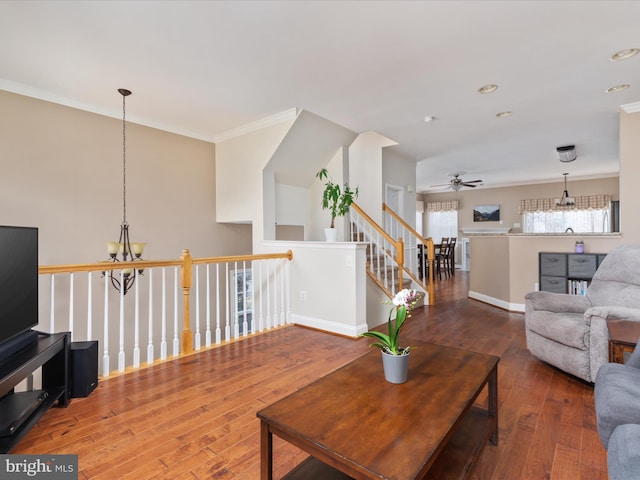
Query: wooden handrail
column 401, row 221
column 373, row 223
column 427, row 242
column 106, row 266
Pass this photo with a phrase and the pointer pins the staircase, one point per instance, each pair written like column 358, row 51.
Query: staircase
column 386, row 264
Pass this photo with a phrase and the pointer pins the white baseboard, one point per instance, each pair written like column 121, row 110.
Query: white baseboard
column 328, row 326
column 512, row 307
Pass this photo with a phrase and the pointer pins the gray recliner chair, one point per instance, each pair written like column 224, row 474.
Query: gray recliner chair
column 617, row 400
column 570, row 331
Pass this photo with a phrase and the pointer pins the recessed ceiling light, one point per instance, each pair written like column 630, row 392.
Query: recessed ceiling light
column 503, row 114
column 488, row 89
column 624, row 54
column 429, row 118
column 617, row 88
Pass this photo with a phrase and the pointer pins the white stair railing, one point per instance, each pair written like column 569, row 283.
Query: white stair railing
column 385, row 256
column 419, row 252
column 244, row 290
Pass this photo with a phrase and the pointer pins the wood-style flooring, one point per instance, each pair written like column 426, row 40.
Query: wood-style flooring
column 195, row 417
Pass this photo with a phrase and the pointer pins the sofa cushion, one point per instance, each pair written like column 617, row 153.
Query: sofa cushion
column 623, row 456
column 570, row 329
column 617, row 398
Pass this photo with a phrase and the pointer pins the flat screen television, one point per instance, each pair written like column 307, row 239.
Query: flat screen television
column 18, row 281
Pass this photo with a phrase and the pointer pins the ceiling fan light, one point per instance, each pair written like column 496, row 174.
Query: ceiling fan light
column 617, row 88
column 624, row 54
column 487, row 89
column 567, row 153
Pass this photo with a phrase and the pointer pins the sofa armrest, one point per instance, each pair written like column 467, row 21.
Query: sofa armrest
column 614, row 312
column 556, row 302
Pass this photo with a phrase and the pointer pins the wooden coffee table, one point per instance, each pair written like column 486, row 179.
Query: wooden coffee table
column 357, row 425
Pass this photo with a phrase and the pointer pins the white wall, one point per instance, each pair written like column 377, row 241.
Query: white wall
column 328, row 285
column 365, row 171
column 401, row 172
column 240, row 162
column 292, row 205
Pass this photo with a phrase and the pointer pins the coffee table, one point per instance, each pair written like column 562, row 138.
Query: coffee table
column 355, row 424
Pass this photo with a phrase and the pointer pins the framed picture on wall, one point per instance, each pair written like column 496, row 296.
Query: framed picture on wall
column 486, row 213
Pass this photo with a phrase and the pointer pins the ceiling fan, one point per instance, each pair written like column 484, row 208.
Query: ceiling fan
column 456, row 183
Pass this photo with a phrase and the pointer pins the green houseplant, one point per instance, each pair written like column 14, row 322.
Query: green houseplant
column 334, row 198
column 390, row 343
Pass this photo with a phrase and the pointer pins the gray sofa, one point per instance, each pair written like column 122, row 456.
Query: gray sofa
column 617, row 400
column 570, row 331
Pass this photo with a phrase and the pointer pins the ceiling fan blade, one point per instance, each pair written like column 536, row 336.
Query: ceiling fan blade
column 469, row 185
column 473, row 181
column 441, row 185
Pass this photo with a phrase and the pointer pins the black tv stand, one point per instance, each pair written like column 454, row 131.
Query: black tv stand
column 49, row 351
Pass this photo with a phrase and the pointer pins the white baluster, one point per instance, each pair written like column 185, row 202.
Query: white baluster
column 253, row 300
column 276, row 315
column 282, row 292
column 268, row 294
column 218, row 330
column 176, row 338
column 121, row 357
column 136, row 323
column 288, row 282
column 197, row 319
column 71, row 277
column 207, row 339
column 245, row 325
column 89, row 306
column 150, row 353
column 259, row 283
column 236, row 320
column 105, row 321
column 227, row 327
column 163, row 340
column 52, row 305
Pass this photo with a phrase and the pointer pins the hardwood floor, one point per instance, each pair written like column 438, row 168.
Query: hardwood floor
column 195, row 418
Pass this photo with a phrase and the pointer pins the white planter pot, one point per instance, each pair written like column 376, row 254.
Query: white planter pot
column 331, row 234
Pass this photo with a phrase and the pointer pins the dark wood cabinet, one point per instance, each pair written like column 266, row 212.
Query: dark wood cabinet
column 51, row 352
column 567, row 272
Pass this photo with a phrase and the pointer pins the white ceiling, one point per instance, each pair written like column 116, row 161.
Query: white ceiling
column 203, row 68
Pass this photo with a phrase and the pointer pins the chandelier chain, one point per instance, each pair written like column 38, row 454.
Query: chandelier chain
column 124, row 161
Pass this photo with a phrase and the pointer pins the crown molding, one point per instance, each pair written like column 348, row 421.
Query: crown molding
column 631, row 107
column 32, row 92
column 287, row 115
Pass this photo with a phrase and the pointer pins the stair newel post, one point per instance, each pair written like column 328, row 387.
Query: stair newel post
column 186, row 279
column 400, row 260
column 431, row 254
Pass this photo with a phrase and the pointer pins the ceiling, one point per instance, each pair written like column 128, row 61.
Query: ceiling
column 204, row 68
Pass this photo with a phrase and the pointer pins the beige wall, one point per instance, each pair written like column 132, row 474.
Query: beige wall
column 509, row 199
column 629, row 175
column 61, row 170
column 516, row 256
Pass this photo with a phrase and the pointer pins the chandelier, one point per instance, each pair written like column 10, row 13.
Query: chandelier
column 565, row 200
column 123, row 279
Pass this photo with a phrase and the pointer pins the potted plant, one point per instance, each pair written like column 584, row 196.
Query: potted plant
column 335, row 199
column 395, row 358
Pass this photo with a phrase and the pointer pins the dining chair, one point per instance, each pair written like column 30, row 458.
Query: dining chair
column 441, row 257
column 451, row 260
